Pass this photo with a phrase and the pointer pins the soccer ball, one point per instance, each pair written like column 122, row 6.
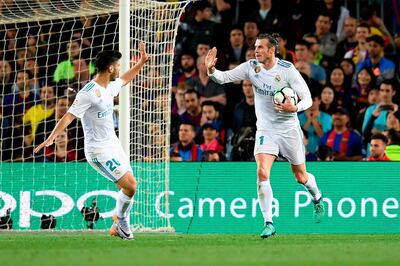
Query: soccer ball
column 279, row 95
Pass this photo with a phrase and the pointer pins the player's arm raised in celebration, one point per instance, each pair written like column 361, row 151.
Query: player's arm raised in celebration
column 129, row 75
column 60, row 126
column 238, row 73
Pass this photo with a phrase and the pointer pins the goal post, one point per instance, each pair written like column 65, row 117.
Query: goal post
column 54, row 44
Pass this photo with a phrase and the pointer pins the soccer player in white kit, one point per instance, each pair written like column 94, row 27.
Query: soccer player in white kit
column 94, row 105
column 278, row 128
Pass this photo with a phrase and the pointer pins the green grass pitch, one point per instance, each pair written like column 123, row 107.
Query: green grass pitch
column 179, row 249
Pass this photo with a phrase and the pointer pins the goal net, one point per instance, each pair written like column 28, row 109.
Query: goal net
column 47, row 50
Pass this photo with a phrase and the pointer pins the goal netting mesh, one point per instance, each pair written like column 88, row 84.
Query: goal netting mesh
column 47, row 50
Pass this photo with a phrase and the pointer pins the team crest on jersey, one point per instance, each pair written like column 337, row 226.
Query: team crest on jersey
column 98, row 93
column 256, row 66
column 277, row 78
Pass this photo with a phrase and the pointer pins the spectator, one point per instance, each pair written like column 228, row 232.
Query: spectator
column 328, row 100
column 5, row 77
column 326, row 38
column 373, row 97
column 60, row 151
column 285, row 53
column 393, row 148
column 343, row 94
column 345, row 142
column 316, row 124
column 201, row 27
column 349, row 69
column 375, row 115
column 338, row 14
column 25, row 82
column 382, row 67
column 365, row 81
column 324, row 153
column 251, row 31
column 305, row 70
column 369, row 15
column 236, row 52
column 209, row 90
column 315, row 50
column 210, row 135
column 202, row 48
column 360, row 52
column 186, row 71
column 187, row 149
column 75, row 68
column 244, row 113
column 211, row 114
column 393, row 121
column 303, row 53
column 39, row 112
column 16, row 104
column 179, row 105
column 250, row 54
column 193, row 113
column 268, row 18
column 348, row 38
column 211, row 156
column 378, row 148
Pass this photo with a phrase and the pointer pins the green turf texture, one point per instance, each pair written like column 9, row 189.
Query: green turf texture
column 179, row 249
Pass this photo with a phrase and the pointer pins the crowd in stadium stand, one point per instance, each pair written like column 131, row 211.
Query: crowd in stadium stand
column 350, row 64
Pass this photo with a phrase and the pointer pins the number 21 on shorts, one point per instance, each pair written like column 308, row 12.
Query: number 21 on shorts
column 112, row 164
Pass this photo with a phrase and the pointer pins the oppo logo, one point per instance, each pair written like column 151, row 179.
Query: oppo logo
column 67, row 203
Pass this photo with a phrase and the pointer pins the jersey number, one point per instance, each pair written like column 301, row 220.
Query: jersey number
column 261, row 140
column 112, row 164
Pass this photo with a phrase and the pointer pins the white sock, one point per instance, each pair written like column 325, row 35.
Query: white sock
column 311, row 186
column 124, row 205
column 265, row 197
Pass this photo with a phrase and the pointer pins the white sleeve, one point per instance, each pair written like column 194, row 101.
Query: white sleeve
column 116, row 86
column 238, row 73
column 80, row 105
column 298, row 84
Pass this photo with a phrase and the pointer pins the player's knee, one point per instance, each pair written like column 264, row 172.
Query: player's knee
column 130, row 188
column 262, row 174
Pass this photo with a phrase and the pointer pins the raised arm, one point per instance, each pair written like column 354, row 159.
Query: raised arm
column 60, row 126
column 238, row 73
column 129, row 75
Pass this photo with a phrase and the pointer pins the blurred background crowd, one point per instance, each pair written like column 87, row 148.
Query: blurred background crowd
column 347, row 52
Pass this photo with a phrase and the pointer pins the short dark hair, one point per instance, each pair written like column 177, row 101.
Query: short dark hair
column 364, row 25
column 272, row 39
column 190, row 91
column 391, row 82
column 106, row 58
column 381, row 137
column 187, row 123
column 305, row 43
column 394, row 136
column 324, row 152
column 210, row 103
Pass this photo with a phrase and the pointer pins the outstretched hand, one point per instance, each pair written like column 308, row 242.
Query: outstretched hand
column 48, row 142
column 144, row 57
column 211, row 59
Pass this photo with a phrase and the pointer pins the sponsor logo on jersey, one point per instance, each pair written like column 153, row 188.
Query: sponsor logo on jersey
column 105, row 113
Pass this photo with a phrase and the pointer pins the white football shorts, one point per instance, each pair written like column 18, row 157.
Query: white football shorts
column 110, row 162
column 289, row 144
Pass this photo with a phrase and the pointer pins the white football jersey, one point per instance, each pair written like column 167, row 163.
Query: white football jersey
column 94, row 105
column 265, row 82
